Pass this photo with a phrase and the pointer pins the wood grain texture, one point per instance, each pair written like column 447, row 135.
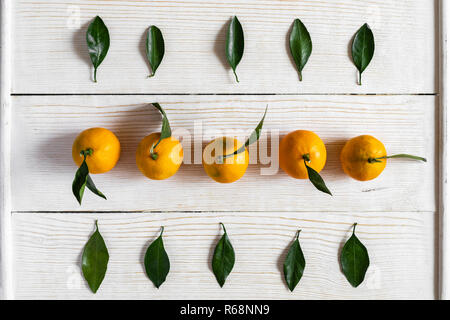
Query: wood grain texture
column 6, row 266
column 45, row 127
column 400, row 244
column 444, row 161
column 50, row 54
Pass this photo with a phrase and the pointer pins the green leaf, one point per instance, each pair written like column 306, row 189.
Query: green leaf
column 166, row 132
column 317, row 180
column 154, row 48
column 294, row 264
column 363, row 48
column 156, row 261
column 254, row 136
column 97, row 38
column 91, row 186
column 354, row 260
column 94, row 261
column 235, row 44
column 80, row 180
column 300, row 44
column 223, row 258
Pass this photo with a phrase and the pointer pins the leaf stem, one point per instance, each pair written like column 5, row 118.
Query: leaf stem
column 151, row 75
column 224, row 230
column 354, row 227
column 237, row 79
column 96, row 224
column 300, row 76
column 162, row 230
column 95, row 74
column 359, row 78
column 401, row 155
column 297, row 234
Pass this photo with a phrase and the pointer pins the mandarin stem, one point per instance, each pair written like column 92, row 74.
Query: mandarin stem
column 401, row 155
column 306, row 157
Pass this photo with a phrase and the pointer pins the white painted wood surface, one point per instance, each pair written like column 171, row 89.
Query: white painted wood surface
column 50, row 51
column 45, row 128
column 397, row 213
column 444, row 222
column 6, row 245
column 49, row 247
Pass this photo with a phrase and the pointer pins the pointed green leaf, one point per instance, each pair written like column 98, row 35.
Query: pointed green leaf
column 235, row 44
column 95, row 260
column 363, row 48
column 254, row 136
column 294, row 264
column 223, row 258
column 91, row 186
column 166, row 132
column 80, row 180
column 354, row 260
column 156, row 261
column 154, row 48
column 97, row 38
column 300, row 45
column 317, row 180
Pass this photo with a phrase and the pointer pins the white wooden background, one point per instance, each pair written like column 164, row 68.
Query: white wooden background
column 53, row 99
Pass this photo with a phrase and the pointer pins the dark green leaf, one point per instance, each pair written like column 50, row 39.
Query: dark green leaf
column 166, row 132
column 155, row 48
column 157, row 264
column 317, row 180
column 95, row 260
column 235, row 44
column 300, row 44
column 254, row 136
column 80, row 180
column 363, row 48
column 91, row 186
column 223, row 258
column 294, row 264
column 97, row 38
column 354, row 260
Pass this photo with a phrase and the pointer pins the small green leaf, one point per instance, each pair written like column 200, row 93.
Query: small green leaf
column 166, row 132
column 235, row 44
column 154, row 48
column 363, row 48
column 156, row 261
column 97, row 38
column 316, row 179
column 91, row 186
column 354, row 260
column 80, row 180
column 294, row 265
column 254, row 136
column 300, row 44
column 94, row 261
column 223, row 258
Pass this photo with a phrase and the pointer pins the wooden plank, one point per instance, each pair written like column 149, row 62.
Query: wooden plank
column 6, row 279
column 45, row 128
column 50, row 54
column 444, row 222
column 400, row 244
